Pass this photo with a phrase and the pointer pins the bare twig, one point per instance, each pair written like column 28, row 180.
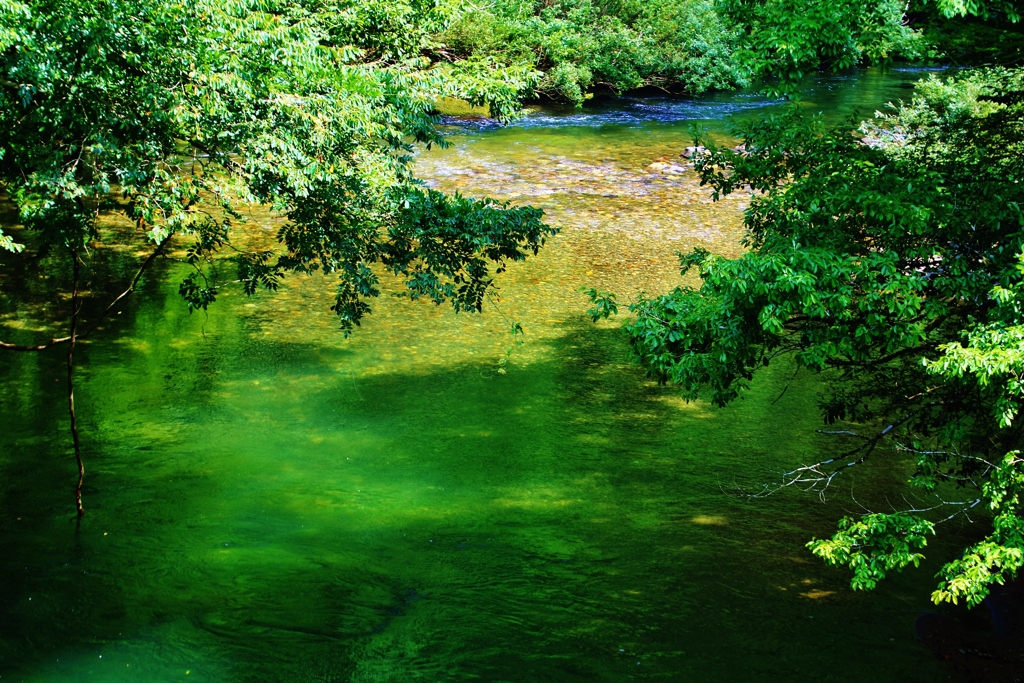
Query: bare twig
column 71, row 382
column 819, row 476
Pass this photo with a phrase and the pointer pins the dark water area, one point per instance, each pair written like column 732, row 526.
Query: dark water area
column 430, row 501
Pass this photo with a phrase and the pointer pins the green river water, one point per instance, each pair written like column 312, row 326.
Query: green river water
column 267, row 501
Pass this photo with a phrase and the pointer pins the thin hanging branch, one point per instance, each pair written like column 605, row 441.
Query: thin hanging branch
column 71, row 381
column 74, row 336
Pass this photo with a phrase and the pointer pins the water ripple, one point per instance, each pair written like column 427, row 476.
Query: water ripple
column 648, row 110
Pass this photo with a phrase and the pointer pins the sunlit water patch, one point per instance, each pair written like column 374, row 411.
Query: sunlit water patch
column 269, row 501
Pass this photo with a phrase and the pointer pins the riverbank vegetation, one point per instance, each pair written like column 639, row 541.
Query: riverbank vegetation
column 582, row 45
column 888, row 259
column 579, row 47
column 893, row 269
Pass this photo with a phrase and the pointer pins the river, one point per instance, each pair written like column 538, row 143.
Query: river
column 430, row 500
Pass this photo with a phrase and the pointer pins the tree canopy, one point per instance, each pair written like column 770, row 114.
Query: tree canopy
column 582, row 45
column 173, row 117
column 178, row 114
column 692, row 46
column 889, row 260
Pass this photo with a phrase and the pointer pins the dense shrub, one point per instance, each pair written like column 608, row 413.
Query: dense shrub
column 582, row 45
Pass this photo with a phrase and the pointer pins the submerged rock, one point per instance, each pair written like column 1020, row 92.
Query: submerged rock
column 701, row 150
column 669, row 167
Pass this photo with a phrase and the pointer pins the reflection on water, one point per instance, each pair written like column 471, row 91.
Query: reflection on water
column 268, row 501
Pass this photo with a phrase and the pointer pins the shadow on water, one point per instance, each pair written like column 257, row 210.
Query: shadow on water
column 268, row 502
column 251, row 519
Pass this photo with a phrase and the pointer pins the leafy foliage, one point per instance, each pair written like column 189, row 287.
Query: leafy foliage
column 787, row 39
column 178, row 115
column 996, row 37
column 874, row 545
column 681, row 45
column 979, row 8
column 604, row 302
column 890, row 261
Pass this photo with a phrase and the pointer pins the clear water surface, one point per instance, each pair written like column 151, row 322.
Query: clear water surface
column 268, row 501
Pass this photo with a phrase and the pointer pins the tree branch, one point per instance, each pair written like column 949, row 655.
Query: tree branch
column 71, row 384
column 818, row 477
column 92, row 328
